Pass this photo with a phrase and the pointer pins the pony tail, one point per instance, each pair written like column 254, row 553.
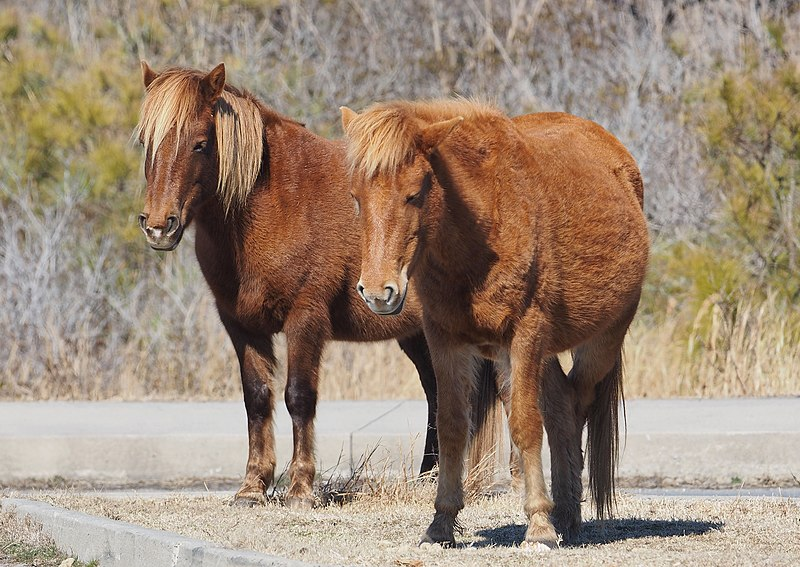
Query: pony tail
column 487, row 429
column 603, row 439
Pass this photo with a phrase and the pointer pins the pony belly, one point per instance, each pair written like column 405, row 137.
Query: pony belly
column 492, row 352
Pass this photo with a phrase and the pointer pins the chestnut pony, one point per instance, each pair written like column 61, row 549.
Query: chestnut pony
column 525, row 238
column 276, row 242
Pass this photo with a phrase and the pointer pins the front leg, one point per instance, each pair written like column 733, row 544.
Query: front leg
column 305, row 336
column 257, row 366
column 526, row 427
column 455, row 367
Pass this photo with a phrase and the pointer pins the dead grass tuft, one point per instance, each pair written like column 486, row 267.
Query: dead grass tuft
column 23, row 542
column 381, row 530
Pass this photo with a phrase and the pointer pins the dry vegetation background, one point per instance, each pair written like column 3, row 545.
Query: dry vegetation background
column 383, row 529
column 704, row 93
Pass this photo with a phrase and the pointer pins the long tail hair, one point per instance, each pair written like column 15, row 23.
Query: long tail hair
column 487, row 428
column 603, row 439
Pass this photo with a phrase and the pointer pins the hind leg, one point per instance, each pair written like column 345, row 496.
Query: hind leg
column 486, row 425
column 416, row 349
column 503, row 385
column 592, row 361
column 597, row 377
column 559, row 410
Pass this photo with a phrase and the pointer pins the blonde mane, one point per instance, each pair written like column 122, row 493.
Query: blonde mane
column 172, row 101
column 384, row 136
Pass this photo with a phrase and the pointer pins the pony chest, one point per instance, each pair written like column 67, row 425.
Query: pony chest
column 258, row 299
column 484, row 313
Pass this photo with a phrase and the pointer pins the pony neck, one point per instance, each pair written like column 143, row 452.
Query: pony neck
column 221, row 228
column 457, row 227
column 281, row 138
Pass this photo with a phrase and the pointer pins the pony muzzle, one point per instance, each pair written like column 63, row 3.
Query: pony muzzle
column 162, row 236
column 388, row 300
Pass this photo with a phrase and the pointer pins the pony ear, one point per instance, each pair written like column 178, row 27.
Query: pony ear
column 148, row 75
column 347, row 116
column 212, row 84
column 431, row 136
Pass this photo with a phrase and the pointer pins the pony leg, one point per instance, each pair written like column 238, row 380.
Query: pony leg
column 559, row 410
column 455, row 375
column 305, row 341
column 486, row 423
column 525, row 424
column 597, row 376
column 416, row 349
column 257, row 366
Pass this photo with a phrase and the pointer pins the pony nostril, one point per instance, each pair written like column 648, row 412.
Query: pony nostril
column 390, row 290
column 360, row 288
column 172, row 224
column 143, row 222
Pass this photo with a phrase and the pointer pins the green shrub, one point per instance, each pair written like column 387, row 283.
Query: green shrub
column 751, row 125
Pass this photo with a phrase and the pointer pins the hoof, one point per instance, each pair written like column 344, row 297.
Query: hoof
column 248, row 499
column 428, row 544
column 427, row 541
column 440, row 531
column 299, row 502
column 538, row 547
column 538, row 536
column 541, row 530
column 567, row 524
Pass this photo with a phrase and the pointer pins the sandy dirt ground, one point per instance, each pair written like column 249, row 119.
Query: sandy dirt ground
column 383, row 529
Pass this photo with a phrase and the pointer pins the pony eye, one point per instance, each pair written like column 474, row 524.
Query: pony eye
column 416, row 198
column 200, row 146
column 413, row 197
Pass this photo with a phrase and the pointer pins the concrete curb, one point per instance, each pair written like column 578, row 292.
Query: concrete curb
column 121, row 544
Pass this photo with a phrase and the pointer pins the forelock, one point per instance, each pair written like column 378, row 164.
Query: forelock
column 171, row 101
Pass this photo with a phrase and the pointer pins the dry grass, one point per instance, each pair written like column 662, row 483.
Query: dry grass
column 749, row 348
column 755, row 355
column 383, row 529
column 89, row 318
column 22, row 543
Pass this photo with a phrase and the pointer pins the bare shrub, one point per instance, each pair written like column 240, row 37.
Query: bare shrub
column 87, row 312
column 75, row 328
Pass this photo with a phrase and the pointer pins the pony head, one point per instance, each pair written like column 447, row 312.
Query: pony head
column 201, row 140
column 389, row 150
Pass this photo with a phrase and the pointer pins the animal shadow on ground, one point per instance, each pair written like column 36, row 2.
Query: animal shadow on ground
column 597, row 532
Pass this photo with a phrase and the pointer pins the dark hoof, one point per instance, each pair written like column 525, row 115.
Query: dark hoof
column 440, row 531
column 568, row 531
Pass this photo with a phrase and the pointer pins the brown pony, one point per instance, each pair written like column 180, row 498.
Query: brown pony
column 525, row 238
column 276, row 242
